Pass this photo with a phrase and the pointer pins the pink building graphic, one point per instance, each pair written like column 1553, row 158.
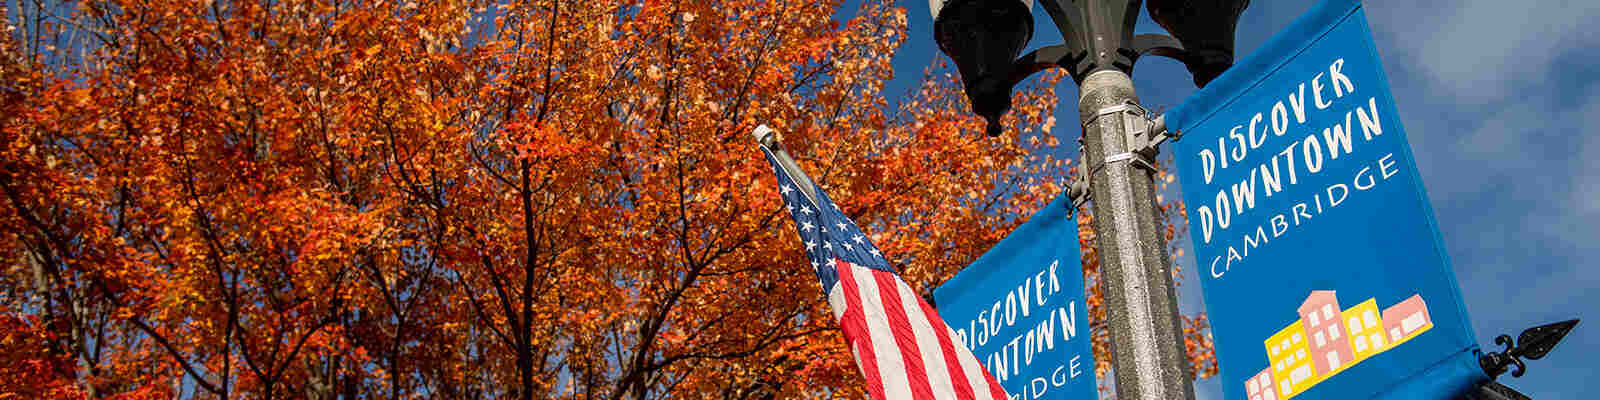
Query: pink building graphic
column 1261, row 387
column 1403, row 319
column 1330, row 348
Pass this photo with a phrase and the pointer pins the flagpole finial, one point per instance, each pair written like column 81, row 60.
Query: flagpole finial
column 772, row 142
column 765, row 135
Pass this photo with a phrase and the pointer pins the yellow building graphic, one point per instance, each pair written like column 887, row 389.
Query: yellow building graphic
column 1366, row 331
column 1337, row 340
column 1291, row 362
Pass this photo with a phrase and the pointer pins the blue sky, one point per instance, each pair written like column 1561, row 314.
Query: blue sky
column 1494, row 96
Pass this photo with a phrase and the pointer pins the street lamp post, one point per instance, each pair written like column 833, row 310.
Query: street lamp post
column 983, row 37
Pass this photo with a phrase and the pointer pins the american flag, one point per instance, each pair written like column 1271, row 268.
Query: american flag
column 904, row 350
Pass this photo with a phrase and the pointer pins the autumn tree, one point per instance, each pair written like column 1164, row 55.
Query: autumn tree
column 473, row 199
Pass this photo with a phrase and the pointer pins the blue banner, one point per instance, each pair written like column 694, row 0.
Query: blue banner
column 1323, row 271
column 1020, row 309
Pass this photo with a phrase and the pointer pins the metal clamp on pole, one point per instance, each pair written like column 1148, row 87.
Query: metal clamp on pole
column 1078, row 191
column 1144, row 136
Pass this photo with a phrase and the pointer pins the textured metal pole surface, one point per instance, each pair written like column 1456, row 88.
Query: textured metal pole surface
column 1147, row 351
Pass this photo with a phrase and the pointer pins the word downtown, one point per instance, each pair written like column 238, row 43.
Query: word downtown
column 1300, row 159
column 1032, row 296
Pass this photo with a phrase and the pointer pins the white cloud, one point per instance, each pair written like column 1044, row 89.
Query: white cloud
column 1586, row 180
column 1482, row 51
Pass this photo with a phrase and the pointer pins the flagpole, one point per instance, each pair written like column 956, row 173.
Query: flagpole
column 772, row 143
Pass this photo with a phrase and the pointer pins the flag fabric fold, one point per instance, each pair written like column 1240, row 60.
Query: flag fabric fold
column 902, row 347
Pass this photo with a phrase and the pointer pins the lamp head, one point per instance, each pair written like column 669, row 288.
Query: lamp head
column 1206, row 30
column 984, row 37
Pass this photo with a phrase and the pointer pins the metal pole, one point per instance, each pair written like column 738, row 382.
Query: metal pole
column 1147, row 350
column 772, row 142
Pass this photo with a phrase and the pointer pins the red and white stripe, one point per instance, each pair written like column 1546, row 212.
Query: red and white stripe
column 902, row 347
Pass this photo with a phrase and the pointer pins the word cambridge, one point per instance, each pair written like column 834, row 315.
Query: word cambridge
column 1297, row 158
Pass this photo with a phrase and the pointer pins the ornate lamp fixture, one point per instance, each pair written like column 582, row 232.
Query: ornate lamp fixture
column 1208, row 44
column 985, row 36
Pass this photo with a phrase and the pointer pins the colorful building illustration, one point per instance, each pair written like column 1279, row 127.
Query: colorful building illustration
column 1291, row 361
column 1366, row 334
column 1324, row 325
column 1406, row 320
column 1261, row 386
column 1327, row 340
